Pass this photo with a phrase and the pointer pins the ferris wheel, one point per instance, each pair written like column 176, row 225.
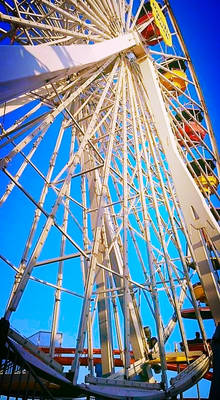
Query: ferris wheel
column 109, row 196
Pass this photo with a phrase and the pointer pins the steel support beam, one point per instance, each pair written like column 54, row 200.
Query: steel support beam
column 136, row 336
column 103, row 301
column 36, row 65
column 197, row 215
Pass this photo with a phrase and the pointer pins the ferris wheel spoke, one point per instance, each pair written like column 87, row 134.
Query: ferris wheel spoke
column 98, row 230
column 57, row 295
column 70, row 17
column 25, row 30
column 34, row 278
column 96, row 16
column 110, row 154
column 45, row 27
column 16, row 178
column 169, row 271
column 137, row 14
column 90, row 129
column 163, row 192
column 169, row 101
column 19, row 147
column 20, row 130
column 53, row 16
column 110, row 9
column 40, row 209
column 134, row 113
column 47, row 121
column 17, row 293
column 129, row 14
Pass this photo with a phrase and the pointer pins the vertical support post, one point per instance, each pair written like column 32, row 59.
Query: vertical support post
column 125, row 238
column 56, row 310
column 138, row 142
column 188, row 193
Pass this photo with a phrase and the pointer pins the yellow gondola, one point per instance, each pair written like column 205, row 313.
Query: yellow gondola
column 208, row 183
column 199, row 293
column 175, row 77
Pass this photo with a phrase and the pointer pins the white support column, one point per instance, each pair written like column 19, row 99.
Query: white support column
column 103, row 306
column 27, row 68
column 117, row 265
column 194, row 208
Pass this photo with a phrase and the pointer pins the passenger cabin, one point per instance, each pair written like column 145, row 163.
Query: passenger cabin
column 175, row 75
column 151, row 34
column 208, row 183
column 214, row 261
column 191, row 314
column 199, row 293
column 191, row 129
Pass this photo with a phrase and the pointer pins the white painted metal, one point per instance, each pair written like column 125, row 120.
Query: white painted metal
column 36, row 66
column 24, row 342
column 196, row 213
column 130, row 217
column 117, row 390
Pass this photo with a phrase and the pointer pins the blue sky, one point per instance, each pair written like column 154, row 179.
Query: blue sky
column 198, row 21
column 199, row 24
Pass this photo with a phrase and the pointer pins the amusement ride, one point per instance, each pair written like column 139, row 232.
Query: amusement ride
column 109, row 204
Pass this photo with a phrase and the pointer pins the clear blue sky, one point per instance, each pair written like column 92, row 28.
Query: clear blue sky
column 199, row 24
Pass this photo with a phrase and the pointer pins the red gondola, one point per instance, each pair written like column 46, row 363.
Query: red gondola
column 191, row 129
column 194, row 131
column 151, row 34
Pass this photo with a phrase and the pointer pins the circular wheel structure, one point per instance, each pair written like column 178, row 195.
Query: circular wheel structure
column 110, row 177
